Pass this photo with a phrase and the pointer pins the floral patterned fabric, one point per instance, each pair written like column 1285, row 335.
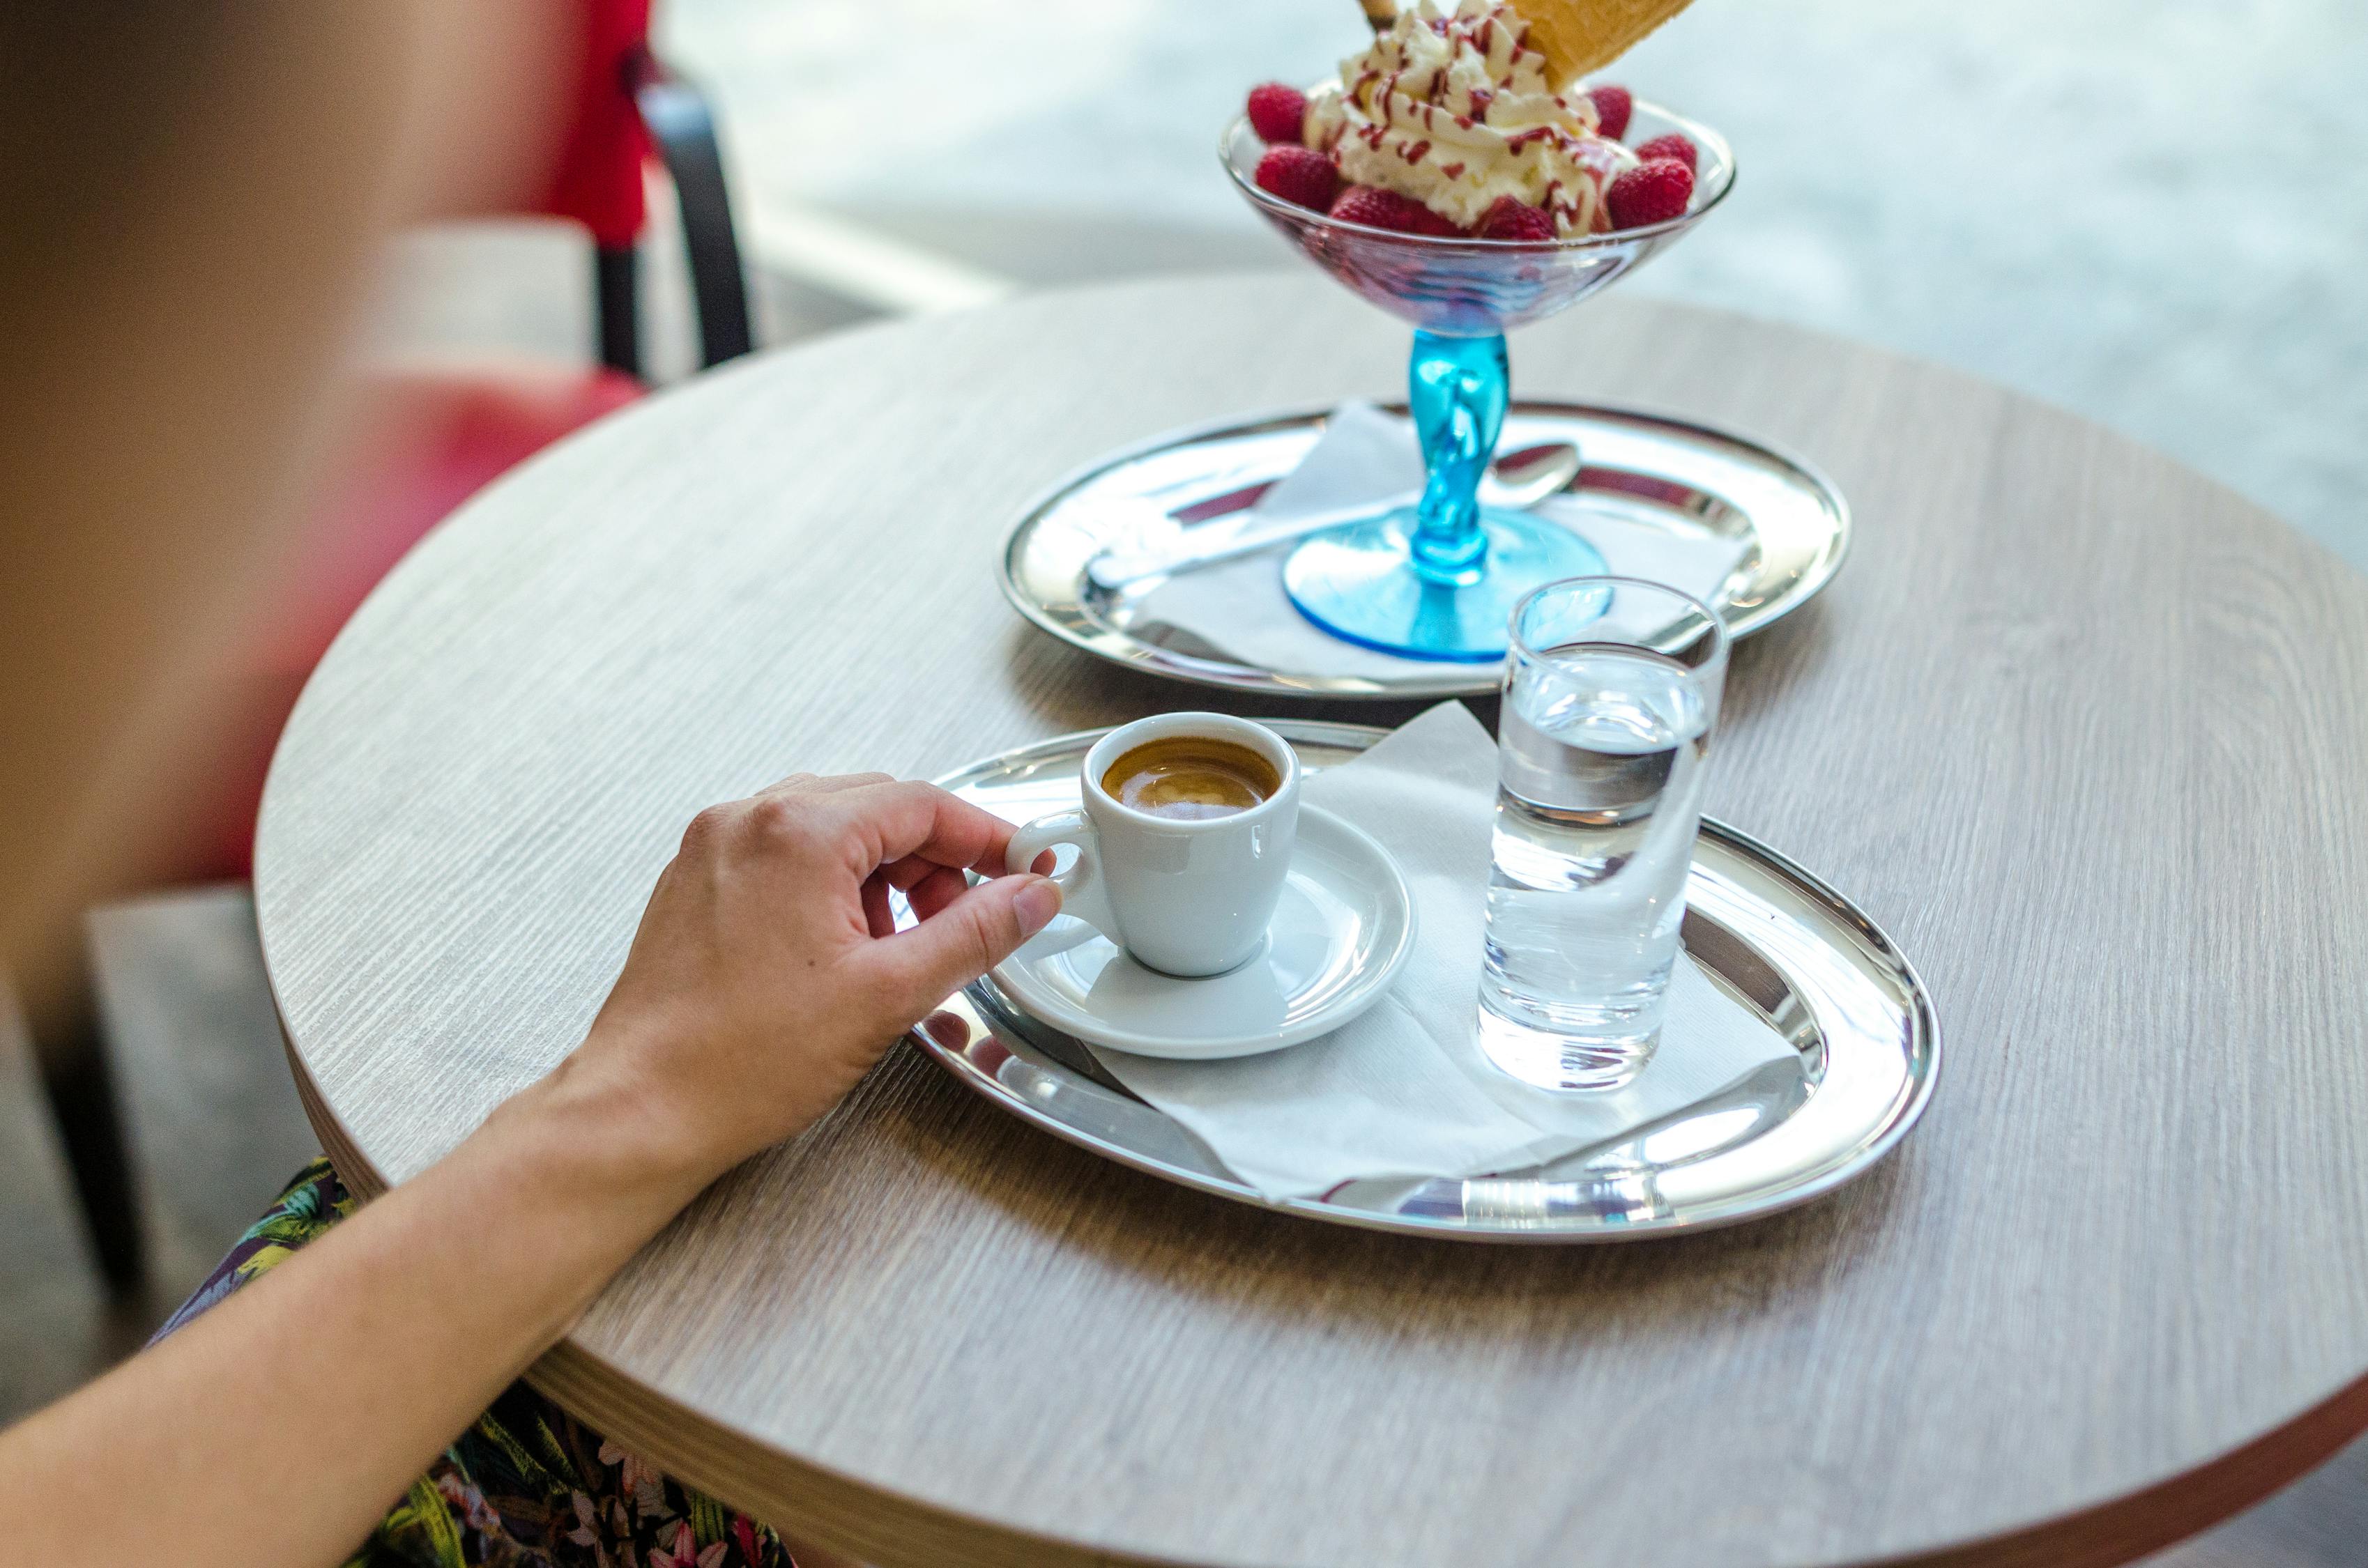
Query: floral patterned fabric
column 528, row 1485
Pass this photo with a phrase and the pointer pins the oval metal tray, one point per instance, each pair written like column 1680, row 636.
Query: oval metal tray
column 1788, row 524
column 1779, row 940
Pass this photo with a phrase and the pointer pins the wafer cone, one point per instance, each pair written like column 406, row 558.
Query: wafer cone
column 1579, row 36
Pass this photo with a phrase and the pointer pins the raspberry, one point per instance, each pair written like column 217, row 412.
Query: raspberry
column 1612, row 106
column 1650, row 193
column 1512, row 219
column 1277, row 112
column 1299, row 175
column 1379, row 208
column 1671, row 146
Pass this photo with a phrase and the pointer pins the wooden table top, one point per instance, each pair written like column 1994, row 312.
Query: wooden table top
column 2082, row 730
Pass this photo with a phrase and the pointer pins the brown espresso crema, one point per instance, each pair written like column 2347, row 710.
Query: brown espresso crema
column 1190, row 778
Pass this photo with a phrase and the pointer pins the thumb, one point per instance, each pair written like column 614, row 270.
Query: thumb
column 937, row 958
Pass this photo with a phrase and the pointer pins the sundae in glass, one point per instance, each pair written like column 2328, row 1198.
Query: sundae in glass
column 1458, row 175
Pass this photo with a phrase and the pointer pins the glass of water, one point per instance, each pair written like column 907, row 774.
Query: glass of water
column 1611, row 690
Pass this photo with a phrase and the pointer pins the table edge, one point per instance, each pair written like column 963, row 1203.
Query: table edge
column 893, row 1530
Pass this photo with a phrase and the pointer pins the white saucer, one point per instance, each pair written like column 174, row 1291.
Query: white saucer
column 1343, row 931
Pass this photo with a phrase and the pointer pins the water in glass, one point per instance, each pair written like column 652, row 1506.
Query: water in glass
column 1600, row 781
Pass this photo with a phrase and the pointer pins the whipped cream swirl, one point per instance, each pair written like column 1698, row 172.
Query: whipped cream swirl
column 1452, row 110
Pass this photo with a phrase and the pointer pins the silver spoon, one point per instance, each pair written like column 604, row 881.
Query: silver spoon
column 1514, row 483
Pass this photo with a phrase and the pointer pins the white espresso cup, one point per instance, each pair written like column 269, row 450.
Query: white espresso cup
column 1186, row 896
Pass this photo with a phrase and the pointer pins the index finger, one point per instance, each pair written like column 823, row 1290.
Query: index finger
column 886, row 823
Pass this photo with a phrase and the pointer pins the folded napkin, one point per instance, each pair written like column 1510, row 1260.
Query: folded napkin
column 1403, row 1091
column 1368, row 459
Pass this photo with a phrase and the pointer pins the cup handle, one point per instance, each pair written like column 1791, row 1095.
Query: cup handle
column 1081, row 884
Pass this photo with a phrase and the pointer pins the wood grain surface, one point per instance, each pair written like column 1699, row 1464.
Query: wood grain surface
column 2083, row 731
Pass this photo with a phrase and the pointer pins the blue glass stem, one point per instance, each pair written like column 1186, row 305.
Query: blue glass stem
column 1436, row 580
column 1456, row 389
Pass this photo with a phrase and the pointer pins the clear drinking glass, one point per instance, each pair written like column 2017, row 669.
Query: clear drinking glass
column 1611, row 690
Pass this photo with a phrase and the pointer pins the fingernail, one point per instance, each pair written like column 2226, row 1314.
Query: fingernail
column 1036, row 904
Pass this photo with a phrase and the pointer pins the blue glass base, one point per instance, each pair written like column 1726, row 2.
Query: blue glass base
column 1355, row 581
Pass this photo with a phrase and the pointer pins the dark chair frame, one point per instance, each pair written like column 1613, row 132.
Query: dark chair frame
column 682, row 129
column 69, row 1046
column 69, row 1051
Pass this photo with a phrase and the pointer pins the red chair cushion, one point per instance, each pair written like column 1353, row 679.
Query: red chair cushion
column 596, row 179
column 432, row 440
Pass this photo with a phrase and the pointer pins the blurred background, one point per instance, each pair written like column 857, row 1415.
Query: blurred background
column 2140, row 210
column 2137, row 208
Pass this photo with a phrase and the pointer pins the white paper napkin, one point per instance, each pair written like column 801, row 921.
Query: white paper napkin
column 1366, row 458
column 1403, row 1091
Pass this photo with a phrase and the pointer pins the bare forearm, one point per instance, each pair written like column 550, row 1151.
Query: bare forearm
column 279, row 1426
column 766, row 979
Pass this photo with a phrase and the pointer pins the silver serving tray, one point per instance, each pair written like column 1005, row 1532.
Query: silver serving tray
column 1793, row 524
column 1775, row 937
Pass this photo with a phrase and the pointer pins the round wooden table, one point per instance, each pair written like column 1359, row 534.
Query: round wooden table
column 2085, row 732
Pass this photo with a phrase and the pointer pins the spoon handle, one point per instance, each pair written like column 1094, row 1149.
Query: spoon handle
column 1116, row 572
column 1546, row 471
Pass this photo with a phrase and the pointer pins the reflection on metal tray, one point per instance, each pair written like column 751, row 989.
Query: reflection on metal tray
column 1786, row 524
column 1773, row 936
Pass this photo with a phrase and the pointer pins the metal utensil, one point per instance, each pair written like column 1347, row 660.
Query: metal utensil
column 1519, row 480
column 1514, row 481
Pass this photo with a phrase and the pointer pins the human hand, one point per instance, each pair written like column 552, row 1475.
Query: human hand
column 768, row 975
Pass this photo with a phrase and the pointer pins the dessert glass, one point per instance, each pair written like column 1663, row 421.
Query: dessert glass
column 1438, row 580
